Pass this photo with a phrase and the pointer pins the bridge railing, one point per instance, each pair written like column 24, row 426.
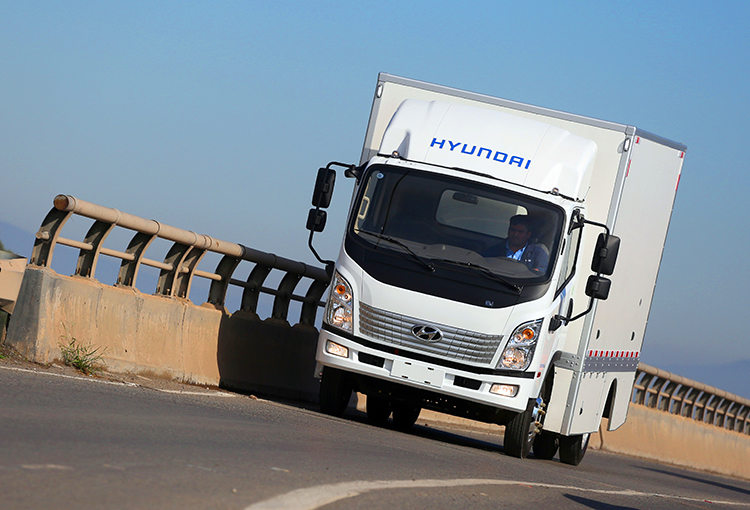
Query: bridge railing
column 664, row 391
column 179, row 267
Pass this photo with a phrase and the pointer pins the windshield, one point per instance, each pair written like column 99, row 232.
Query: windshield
column 454, row 222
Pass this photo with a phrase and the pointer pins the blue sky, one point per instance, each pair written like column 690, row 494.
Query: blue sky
column 214, row 116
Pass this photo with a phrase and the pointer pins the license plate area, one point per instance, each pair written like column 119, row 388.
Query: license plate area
column 406, row 370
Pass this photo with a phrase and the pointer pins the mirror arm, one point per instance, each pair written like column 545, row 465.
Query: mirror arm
column 328, row 263
column 585, row 312
column 355, row 171
column 561, row 320
column 347, row 167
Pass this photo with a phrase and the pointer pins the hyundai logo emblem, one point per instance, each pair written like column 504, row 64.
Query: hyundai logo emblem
column 427, row 333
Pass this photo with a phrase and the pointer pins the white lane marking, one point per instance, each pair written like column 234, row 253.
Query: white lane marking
column 208, row 393
column 312, row 498
column 46, row 466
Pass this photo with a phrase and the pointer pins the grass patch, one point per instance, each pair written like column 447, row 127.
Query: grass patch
column 82, row 357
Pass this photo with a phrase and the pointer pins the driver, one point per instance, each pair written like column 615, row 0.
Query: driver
column 518, row 247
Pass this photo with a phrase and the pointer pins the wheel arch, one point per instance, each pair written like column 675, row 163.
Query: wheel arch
column 609, row 403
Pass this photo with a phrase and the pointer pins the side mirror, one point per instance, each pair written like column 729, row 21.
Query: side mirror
column 597, row 287
column 316, row 220
column 605, row 254
column 323, row 190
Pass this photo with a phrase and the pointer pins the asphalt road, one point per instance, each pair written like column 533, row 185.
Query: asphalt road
column 76, row 442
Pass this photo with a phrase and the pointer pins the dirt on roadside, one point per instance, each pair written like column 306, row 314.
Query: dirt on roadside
column 9, row 357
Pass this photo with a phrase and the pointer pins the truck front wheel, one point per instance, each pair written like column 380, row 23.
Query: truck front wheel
column 521, row 431
column 335, row 391
column 573, row 448
column 405, row 415
column 378, row 410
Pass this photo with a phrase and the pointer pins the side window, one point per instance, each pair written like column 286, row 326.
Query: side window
column 362, row 221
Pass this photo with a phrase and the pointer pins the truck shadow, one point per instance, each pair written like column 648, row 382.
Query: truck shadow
column 597, row 505
column 704, row 481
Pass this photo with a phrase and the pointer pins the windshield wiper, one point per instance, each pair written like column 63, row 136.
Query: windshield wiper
column 408, row 250
column 494, row 276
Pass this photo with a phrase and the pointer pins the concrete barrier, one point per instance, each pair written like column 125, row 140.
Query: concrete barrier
column 664, row 437
column 162, row 336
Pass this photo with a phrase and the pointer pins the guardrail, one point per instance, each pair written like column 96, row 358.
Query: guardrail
column 180, row 264
column 664, row 391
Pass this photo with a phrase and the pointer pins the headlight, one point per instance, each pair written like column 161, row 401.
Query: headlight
column 520, row 348
column 339, row 308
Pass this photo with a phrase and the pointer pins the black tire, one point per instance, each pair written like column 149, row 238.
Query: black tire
column 573, row 448
column 405, row 415
column 378, row 410
column 335, row 391
column 520, row 432
column 545, row 445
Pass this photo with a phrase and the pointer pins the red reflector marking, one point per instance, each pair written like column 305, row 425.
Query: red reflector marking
column 538, row 375
column 677, row 186
column 637, row 139
column 682, row 154
column 627, row 172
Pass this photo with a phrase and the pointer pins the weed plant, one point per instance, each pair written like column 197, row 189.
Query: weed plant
column 81, row 357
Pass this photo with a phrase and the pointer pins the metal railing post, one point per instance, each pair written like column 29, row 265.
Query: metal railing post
column 87, row 259
column 130, row 265
column 310, row 306
column 283, row 298
column 217, row 293
column 46, row 237
column 251, row 294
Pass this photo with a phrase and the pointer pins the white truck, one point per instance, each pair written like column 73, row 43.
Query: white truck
column 473, row 274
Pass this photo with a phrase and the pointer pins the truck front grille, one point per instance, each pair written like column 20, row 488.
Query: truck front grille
column 396, row 329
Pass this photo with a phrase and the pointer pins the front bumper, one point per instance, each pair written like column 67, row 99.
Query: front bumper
column 398, row 366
